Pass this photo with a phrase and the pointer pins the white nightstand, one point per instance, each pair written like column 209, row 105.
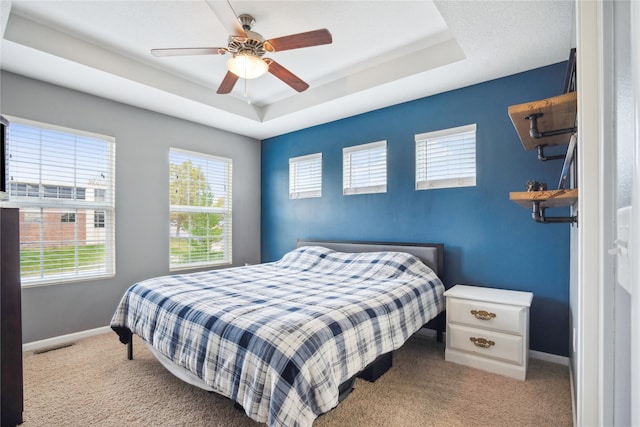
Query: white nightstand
column 488, row 329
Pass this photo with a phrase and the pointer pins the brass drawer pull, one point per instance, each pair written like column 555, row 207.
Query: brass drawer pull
column 482, row 342
column 483, row 315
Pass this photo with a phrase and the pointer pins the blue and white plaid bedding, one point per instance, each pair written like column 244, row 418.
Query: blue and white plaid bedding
column 279, row 338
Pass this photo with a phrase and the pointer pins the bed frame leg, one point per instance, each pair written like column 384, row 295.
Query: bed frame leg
column 130, row 347
column 441, row 323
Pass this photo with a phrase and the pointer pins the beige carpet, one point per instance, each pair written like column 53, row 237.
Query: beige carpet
column 92, row 384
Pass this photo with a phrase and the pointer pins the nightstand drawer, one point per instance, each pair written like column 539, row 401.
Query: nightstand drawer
column 499, row 317
column 486, row 343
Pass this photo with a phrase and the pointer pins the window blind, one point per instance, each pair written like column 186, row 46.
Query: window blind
column 305, row 176
column 63, row 182
column 200, row 193
column 446, row 158
column 364, row 168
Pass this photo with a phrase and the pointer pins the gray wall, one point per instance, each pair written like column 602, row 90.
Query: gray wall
column 143, row 139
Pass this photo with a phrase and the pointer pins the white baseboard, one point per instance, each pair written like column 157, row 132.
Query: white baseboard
column 64, row 339
column 548, row 357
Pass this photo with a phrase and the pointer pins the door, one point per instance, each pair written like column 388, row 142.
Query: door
column 634, row 36
column 621, row 323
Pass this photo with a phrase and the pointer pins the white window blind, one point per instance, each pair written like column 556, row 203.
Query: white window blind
column 446, row 158
column 364, row 168
column 305, row 176
column 200, row 212
column 63, row 182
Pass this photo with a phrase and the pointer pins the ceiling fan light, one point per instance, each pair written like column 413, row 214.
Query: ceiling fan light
column 247, row 66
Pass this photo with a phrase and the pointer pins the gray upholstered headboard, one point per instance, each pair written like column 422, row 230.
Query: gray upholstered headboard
column 432, row 254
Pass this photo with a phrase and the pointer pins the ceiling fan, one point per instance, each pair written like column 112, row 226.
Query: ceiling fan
column 248, row 48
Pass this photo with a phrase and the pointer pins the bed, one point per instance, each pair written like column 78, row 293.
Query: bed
column 285, row 340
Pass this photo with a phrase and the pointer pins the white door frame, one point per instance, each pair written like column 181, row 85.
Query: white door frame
column 587, row 333
column 593, row 360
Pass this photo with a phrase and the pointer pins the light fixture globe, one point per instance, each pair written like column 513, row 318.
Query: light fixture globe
column 247, row 65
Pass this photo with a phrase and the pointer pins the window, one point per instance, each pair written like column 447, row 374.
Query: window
column 51, row 172
column 24, row 189
column 98, row 219
column 98, row 194
column 68, row 217
column 364, row 168
column 200, row 212
column 305, row 176
column 446, row 158
column 62, row 192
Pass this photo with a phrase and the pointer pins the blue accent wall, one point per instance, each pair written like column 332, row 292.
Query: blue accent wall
column 489, row 240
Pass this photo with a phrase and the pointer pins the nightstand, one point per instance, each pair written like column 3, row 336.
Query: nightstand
column 488, row 329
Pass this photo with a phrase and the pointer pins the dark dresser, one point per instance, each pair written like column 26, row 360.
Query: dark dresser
column 10, row 319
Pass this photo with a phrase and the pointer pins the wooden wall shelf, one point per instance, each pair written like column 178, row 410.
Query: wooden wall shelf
column 550, row 121
column 547, row 199
column 558, row 112
column 539, row 201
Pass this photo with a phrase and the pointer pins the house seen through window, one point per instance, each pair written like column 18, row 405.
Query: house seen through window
column 54, row 176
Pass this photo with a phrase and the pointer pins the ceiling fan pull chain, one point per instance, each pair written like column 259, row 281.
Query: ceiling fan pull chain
column 246, row 92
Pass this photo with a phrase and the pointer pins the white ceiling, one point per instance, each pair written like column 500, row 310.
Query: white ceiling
column 383, row 53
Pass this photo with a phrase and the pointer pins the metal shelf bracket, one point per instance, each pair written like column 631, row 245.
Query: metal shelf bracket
column 544, row 158
column 534, row 132
column 538, row 216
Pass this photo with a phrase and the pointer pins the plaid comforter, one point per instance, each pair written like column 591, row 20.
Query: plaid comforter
column 279, row 338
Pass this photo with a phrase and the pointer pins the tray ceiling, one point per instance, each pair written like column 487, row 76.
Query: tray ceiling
column 383, row 53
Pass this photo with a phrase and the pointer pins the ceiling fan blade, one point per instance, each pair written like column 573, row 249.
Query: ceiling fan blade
column 228, row 83
column 183, row 51
column 296, row 41
column 227, row 17
column 286, row 76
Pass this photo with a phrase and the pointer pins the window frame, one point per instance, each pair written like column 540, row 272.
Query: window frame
column 99, row 219
column 349, row 170
column 422, row 140
column 68, row 217
column 311, row 187
column 39, row 205
column 226, row 210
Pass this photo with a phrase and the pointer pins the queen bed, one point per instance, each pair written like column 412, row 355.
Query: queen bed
column 285, row 340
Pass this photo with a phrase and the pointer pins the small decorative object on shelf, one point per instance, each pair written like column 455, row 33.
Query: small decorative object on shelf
column 536, row 186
